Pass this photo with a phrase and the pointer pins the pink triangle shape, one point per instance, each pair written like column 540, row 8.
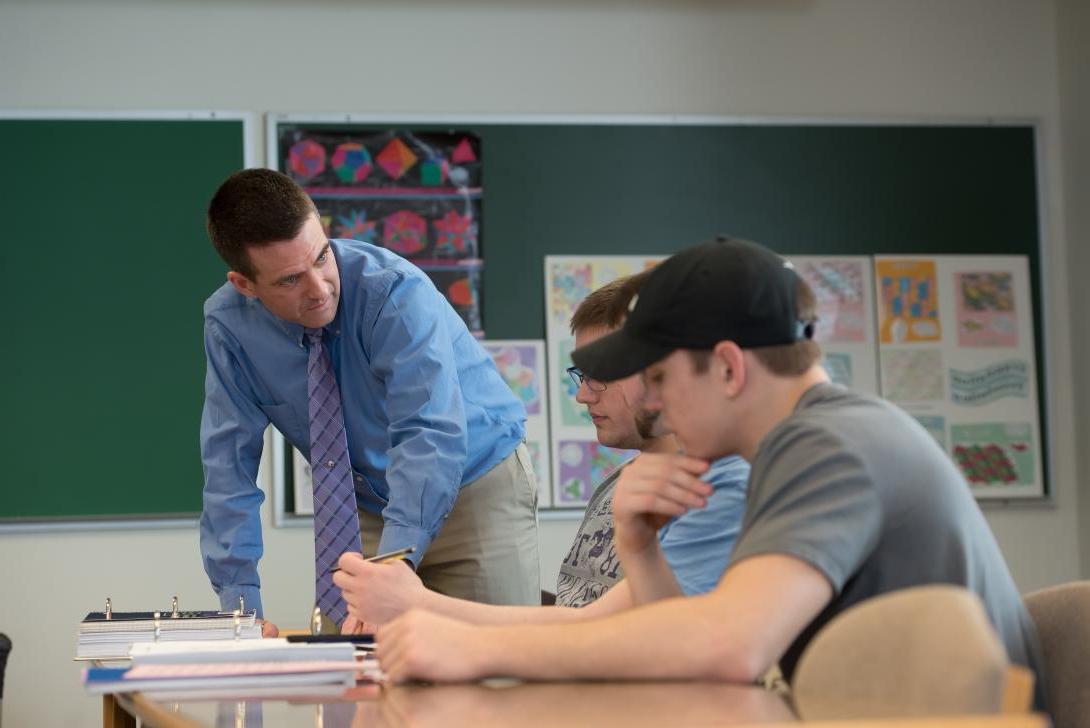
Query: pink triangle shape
column 463, row 153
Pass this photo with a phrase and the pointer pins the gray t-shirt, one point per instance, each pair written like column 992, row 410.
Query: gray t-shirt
column 592, row 565
column 857, row 488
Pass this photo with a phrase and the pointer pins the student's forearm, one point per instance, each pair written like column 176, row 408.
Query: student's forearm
column 614, row 600
column 649, row 576
column 484, row 614
column 733, row 634
column 634, row 645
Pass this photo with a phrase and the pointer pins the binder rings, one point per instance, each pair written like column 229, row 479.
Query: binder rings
column 110, row 635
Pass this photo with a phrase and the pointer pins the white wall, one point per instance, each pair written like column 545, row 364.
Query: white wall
column 1073, row 21
column 855, row 58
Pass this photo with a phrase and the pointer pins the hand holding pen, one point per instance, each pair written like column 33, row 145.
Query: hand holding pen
column 383, row 558
column 376, row 593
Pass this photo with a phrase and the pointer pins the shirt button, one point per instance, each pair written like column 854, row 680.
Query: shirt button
column 359, row 478
column 330, row 463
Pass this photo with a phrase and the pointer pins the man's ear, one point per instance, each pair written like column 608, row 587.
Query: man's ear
column 729, row 362
column 242, row 284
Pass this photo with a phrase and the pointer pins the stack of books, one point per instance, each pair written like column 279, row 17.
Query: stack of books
column 202, row 669
column 110, row 636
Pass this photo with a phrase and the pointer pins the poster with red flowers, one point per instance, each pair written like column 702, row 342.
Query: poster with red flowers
column 417, row 193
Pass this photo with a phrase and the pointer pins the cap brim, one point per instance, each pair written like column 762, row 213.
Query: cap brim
column 618, row 355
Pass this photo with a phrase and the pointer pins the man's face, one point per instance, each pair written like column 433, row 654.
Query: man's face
column 613, row 410
column 297, row 279
column 691, row 405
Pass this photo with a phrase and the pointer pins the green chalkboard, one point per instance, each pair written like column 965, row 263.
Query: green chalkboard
column 572, row 189
column 106, row 265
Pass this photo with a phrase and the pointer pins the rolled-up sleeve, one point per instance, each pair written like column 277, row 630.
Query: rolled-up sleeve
column 232, row 435
column 412, row 353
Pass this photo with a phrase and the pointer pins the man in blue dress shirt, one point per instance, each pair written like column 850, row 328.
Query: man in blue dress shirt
column 434, row 434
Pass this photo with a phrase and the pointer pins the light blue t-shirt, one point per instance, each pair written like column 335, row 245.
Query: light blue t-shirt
column 697, row 545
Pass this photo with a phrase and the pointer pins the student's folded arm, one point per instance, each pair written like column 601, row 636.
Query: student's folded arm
column 649, row 578
column 651, row 492
column 733, row 634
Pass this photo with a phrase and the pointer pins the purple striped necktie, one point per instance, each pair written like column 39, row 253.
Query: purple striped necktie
column 336, row 525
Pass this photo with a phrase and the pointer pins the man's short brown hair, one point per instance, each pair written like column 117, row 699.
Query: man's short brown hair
column 787, row 360
column 607, row 307
column 255, row 207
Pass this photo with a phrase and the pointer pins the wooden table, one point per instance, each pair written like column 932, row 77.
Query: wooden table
column 524, row 705
column 492, row 703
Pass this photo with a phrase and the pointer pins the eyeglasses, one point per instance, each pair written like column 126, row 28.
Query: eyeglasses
column 579, row 378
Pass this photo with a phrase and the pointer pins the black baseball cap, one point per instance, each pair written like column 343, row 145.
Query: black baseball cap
column 722, row 290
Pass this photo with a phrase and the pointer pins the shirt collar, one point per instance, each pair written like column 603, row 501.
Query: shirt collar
column 297, row 332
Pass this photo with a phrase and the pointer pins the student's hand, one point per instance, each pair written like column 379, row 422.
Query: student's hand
column 650, row 492
column 425, row 646
column 377, row 593
column 268, row 629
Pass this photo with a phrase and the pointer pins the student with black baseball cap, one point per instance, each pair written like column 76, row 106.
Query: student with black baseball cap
column 684, row 302
column 849, row 498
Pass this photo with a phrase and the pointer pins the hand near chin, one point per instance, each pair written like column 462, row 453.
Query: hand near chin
column 653, row 490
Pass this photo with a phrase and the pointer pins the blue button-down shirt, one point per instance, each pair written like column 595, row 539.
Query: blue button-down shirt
column 425, row 410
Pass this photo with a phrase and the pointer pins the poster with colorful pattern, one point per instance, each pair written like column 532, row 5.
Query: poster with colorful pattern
column 568, row 280
column 417, row 193
column 843, row 288
column 995, row 453
column 521, row 364
column 908, row 300
column 957, row 352
column 582, row 466
column 986, row 313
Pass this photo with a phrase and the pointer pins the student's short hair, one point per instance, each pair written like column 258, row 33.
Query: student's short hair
column 253, row 208
column 607, row 307
column 786, row 360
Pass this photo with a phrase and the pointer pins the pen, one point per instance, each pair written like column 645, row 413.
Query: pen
column 381, row 558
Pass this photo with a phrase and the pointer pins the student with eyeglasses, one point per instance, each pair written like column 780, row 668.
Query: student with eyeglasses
column 580, row 378
column 697, row 545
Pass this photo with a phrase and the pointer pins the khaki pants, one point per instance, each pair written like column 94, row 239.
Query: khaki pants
column 487, row 548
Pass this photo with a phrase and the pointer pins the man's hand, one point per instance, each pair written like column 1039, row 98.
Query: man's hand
column 377, row 593
column 268, row 629
column 425, row 646
column 653, row 490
